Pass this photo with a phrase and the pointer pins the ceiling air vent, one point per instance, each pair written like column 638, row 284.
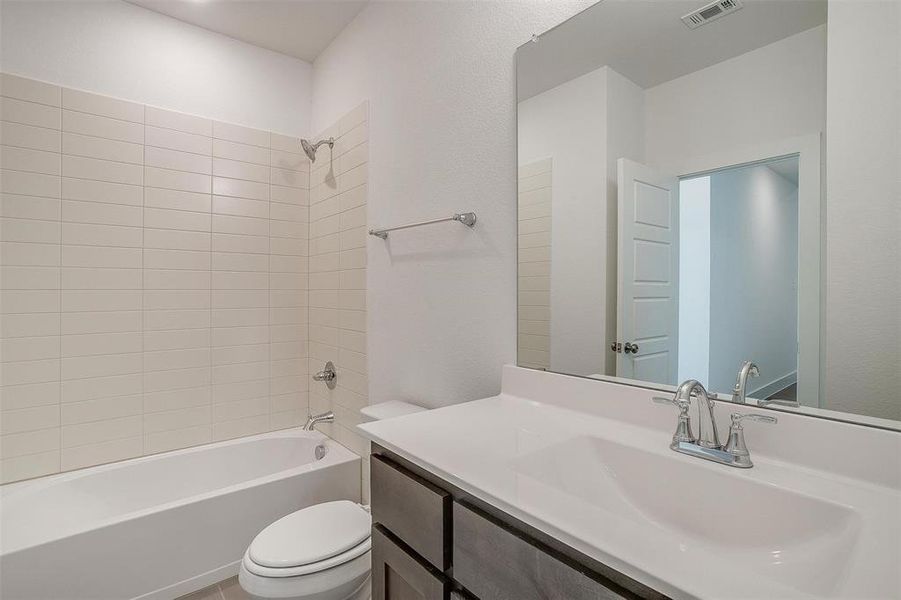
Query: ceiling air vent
column 710, row 12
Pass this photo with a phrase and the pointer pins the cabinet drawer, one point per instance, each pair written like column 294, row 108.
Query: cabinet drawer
column 413, row 509
column 398, row 575
column 495, row 563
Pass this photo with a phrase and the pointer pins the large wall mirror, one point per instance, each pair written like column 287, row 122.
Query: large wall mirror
column 702, row 185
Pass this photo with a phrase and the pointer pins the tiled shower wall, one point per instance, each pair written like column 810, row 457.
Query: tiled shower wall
column 534, row 334
column 153, row 285
column 338, row 277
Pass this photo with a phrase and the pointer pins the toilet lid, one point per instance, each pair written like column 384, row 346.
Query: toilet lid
column 311, row 535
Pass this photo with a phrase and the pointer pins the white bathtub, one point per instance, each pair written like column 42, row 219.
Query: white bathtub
column 161, row 526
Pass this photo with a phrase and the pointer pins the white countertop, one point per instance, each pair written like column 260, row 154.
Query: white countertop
column 503, row 450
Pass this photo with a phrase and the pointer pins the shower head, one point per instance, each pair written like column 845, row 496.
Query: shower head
column 310, row 149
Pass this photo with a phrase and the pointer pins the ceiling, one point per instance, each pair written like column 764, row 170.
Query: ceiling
column 298, row 28
column 647, row 42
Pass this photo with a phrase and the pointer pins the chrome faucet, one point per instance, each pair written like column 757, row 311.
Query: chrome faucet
column 708, row 436
column 327, row 417
column 748, row 369
column 707, row 445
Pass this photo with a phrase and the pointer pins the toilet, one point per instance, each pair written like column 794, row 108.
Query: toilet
column 321, row 552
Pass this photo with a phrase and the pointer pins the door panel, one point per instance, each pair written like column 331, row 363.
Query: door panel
column 647, row 275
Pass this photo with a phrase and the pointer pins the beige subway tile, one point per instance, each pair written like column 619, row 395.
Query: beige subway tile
column 100, row 300
column 287, row 229
column 162, row 218
column 288, row 212
column 77, row 278
column 29, row 207
column 101, row 191
column 240, row 372
column 238, row 133
column 29, row 230
column 87, row 344
column 285, row 143
column 32, row 465
column 286, row 178
column 240, row 225
column 240, row 298
column 239, row 409
column 169, row 119
column 161, row 320
column 175, row 339
column 94, row 147
column 288, row 350
column 29, row 301
column 324, row 298
column 31, row 161
column 535, row 313
column 29, row 136
column 105, row 127
column 29, row 442
column 287, row 333
column 30, row 278
column 228, row 280
column 29, row 325
column 29, row 113
column 101, row 170
column 176, row 259
column 29, row 419
column 235, row 261
column 31, row 395
column 106, row 106
column 177, row 200
column 78, row 390
column 352, row 340
column 234, row 169
column 96, row 213
column 239, row 317
column 22, row 88
column 252, row 244
column 228, row 205
column 289, row 195
column 95, row 256
column 176, row 279
column 165, row 441
column 159, row 381
column 171, row 239
column 288, row 246
column 99, row 409
column 74, row 323
column 242, row 390
column 243, row 152
column 28, row 254
column 164, row 360
column 176, row 419
column 29, row 184
column 83, row 367
column 240, row 427
column 29, row 371
column 228, row 355
column 291, row 281
column 177, row 140
column 176, row 180
column 101, row 453
column 253, row 190
column 234, row 336
column 288, row 264
column 289, row 161
column 352, row 238
column 177, row 160
column 177, row 399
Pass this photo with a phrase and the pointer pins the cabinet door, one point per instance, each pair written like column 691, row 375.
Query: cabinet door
column 398, row 575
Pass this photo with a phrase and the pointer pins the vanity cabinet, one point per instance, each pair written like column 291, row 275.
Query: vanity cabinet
column 431, row 541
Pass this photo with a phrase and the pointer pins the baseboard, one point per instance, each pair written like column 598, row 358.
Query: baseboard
column 765, row 391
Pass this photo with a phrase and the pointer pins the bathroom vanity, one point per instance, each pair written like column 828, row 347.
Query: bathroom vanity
column 562, row 487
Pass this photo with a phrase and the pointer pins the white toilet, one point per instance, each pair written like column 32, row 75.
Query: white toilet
column 317, row 553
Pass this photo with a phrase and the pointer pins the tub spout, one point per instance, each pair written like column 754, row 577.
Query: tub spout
column 314, row 420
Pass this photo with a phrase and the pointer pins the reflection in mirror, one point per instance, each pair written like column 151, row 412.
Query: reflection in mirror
column 672, row 213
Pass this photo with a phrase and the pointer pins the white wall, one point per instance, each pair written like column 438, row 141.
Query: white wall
column 694, row 279
column 769, row 94
column 753, row 277
column 440, row 81
column 863, row 209
column 121, row 50
column 569, row 123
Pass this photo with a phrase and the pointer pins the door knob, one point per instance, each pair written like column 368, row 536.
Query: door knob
column 616, row 347
column 630, row 348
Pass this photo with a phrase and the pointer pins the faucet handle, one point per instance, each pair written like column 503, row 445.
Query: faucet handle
column 738, row 417
column 683, row 427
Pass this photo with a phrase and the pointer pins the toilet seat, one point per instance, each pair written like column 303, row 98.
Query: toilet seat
column 310, row 540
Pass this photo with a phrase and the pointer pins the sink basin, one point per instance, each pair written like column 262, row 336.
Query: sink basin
column 693, row 506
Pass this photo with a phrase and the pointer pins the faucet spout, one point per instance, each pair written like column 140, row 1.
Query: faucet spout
column 708, row 436
column 739, row 391
column 314, row 420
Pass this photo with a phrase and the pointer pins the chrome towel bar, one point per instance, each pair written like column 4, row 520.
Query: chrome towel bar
column 468, row 219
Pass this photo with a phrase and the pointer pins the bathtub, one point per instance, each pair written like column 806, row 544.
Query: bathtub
column 161, row 526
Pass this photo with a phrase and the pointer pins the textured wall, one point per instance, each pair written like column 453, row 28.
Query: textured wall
column 153, row 279
column 439, row 78
column 115, row 48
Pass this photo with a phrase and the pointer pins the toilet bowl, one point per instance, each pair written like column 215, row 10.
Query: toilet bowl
column 318, row 553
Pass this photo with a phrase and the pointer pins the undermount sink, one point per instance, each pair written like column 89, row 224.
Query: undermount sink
column 800, row 540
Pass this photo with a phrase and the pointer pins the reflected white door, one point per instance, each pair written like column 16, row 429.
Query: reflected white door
column 647, row 275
